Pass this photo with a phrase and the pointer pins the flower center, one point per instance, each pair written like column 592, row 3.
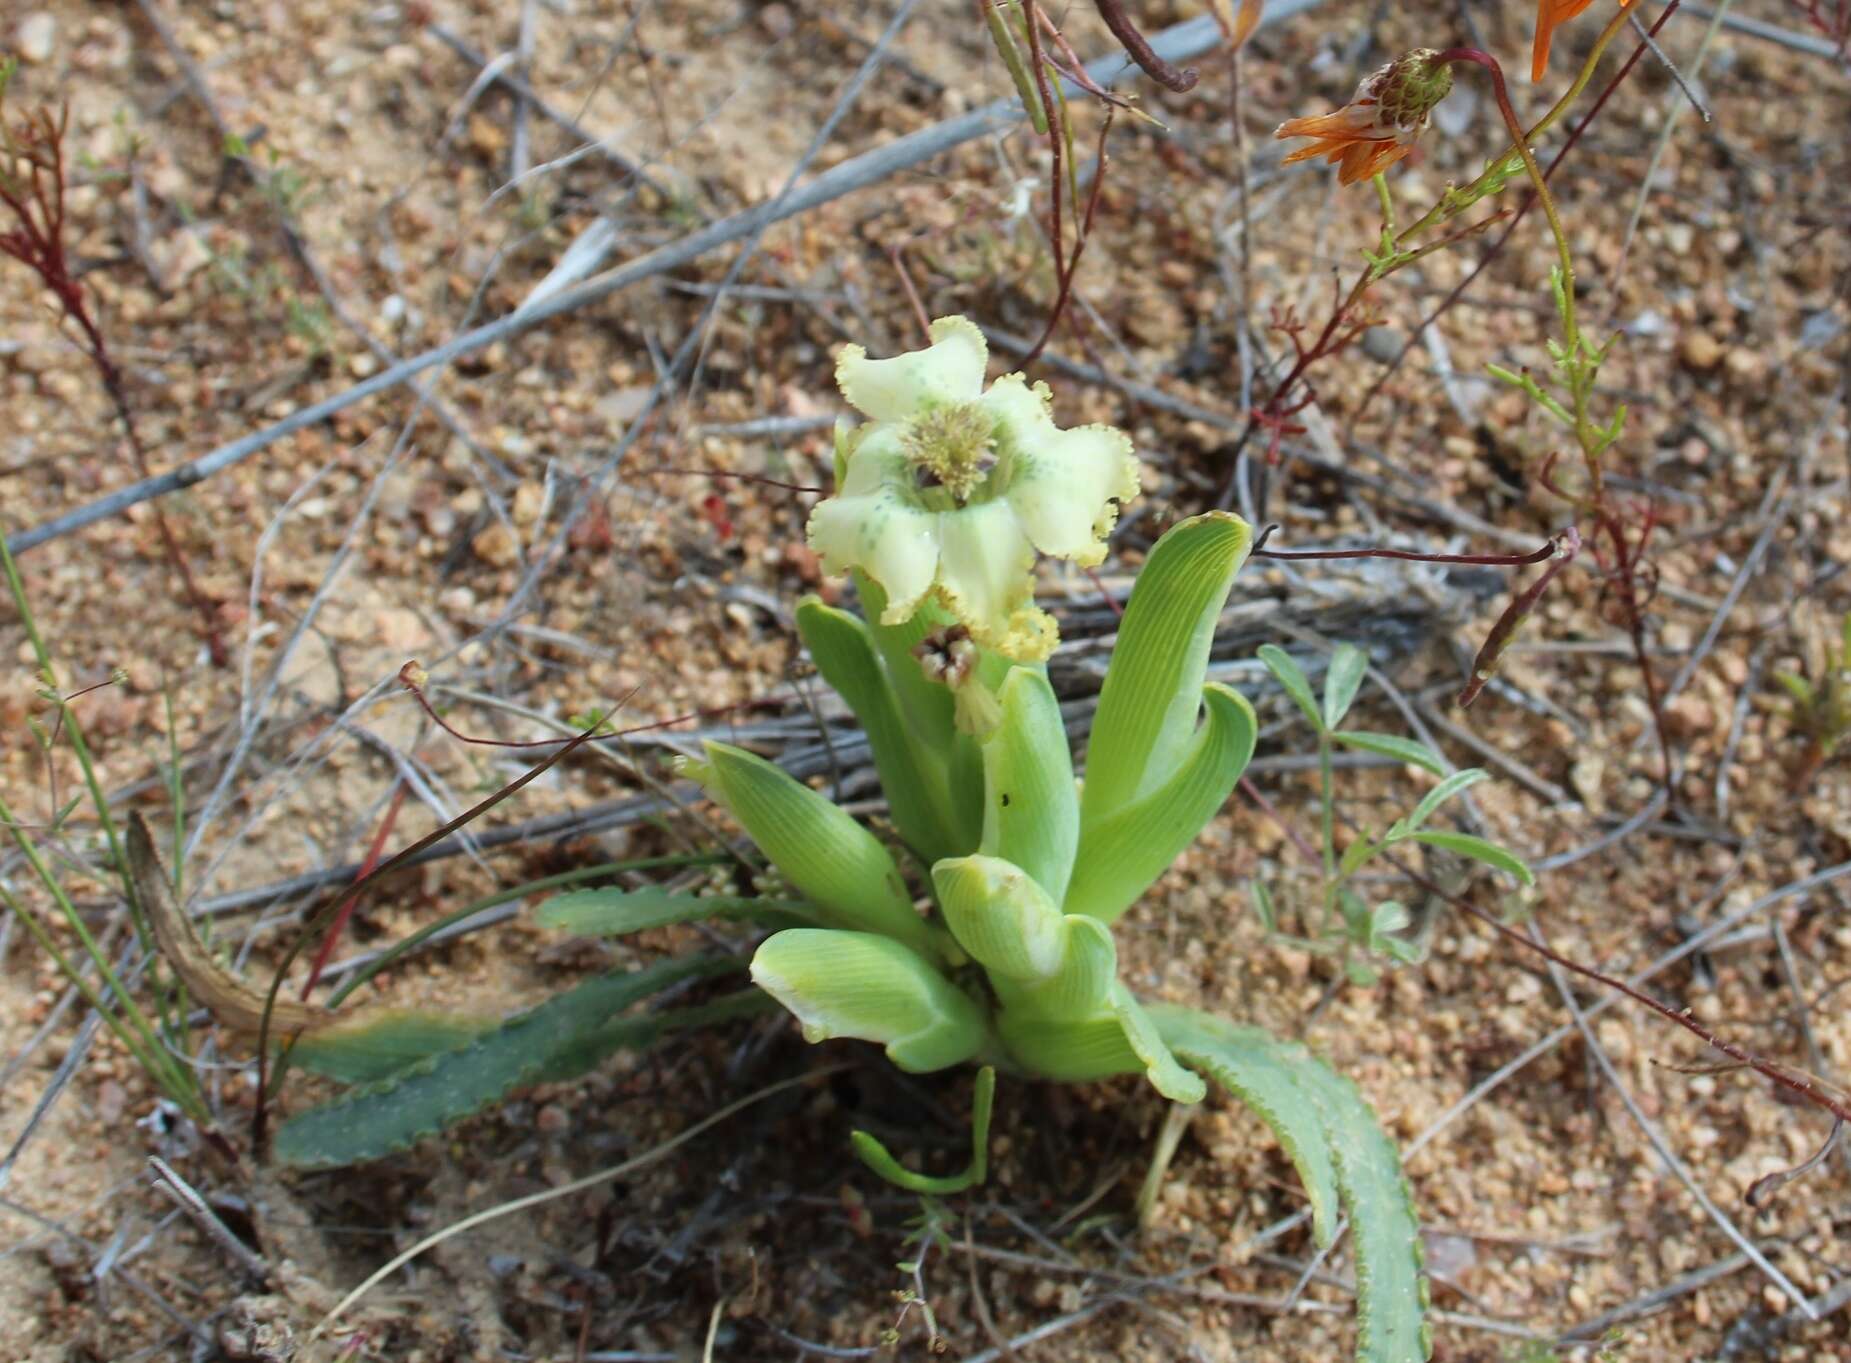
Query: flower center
column 952, row 447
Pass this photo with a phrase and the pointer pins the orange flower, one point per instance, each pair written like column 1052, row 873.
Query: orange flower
column 1381, row 122
column 1549, row 13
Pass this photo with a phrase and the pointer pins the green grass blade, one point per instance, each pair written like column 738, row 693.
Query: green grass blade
column 613, row 912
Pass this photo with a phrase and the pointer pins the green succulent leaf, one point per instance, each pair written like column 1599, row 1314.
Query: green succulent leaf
column 914, row 775
column 1291, row 676
column 872, row 988
column 835, row 863
column 613, row 912
column 1433, row 799
column 1031, row 811
column 1123, row 852
column 1478, row 850
column 560, row 1037
column 1002, row 917
column 1166, row 1075
column 1342, row 680
column 1344, row 1158
column 1080, row 988
column 1148, row 707
column 1395, row 746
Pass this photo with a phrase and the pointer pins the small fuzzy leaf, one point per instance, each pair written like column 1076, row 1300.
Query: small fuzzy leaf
column 1391, row 1290
column 834, row 862
column 1263, row 1073
column 613, row 912
column 1291, row 676
column 1031, row 813
column 913, row 774
column 1148, row 707
column 1123, row 852
column 1433, row 799
column 872, row 988
column 1393, row 745
column 1342, row 679
column 420, row 1101
column 1478, row 850
column 1358, row 852
column 383, row 1045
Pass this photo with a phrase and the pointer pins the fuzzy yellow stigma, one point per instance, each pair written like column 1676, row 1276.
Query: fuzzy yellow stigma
column 953, row 446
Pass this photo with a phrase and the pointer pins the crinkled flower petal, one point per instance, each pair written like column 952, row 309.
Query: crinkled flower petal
column 877, row 523
column 1550, row 13
column 949, row 370
column 986, row 577
column 1064, row 486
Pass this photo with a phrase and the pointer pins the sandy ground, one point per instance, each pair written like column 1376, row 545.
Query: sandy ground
column 373, row 217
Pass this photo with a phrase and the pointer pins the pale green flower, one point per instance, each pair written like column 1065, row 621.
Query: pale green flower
column 948, row 490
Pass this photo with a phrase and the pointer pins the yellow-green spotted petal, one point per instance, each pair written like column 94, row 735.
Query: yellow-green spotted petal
column 985, row 570
column 879, row 525
column 949, row 370
column 1065, row 490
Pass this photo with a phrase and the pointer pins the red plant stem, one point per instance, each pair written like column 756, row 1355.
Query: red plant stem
column 1804, row 1085
column 1485, row 560
column 1140, row 49
column 38, row 243
column 373, row 853
column 1083, row 234
column 1485, row 664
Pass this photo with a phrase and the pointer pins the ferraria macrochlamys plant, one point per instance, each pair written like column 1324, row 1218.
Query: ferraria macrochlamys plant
column 1014, row 967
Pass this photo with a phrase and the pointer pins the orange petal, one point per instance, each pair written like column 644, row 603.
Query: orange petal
column 1336, row 124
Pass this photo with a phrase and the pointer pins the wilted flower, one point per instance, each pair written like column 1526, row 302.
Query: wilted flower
column 1381, row 123
column 1549, row 13
column 950, row 490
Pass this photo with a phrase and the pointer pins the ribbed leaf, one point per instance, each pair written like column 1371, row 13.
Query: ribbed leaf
column 1478, row 850
column 1344, row 1158
column 613, row 912
column 417, row 1102
column 1152, row 694
column 1395, row 746
column 1001, row 916
column 914, row 775
column 1160, row 1065
column 1031, row 811
column 1123, row 852
column 1262, row 1072
column 1391, row 1291
column 871, row 988
column 1081, row 988
column 834, row 862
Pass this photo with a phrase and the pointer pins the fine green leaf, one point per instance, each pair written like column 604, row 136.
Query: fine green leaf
column 1263, row 906
column 1291, row 676
column 613, row 912
column 1148, row 707
column 1342, row 680
column 1478, row 850
column 1122, row 853
column 1395, row 746
column 420, row 1101
column 1797, row 687
column 1433, row 799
